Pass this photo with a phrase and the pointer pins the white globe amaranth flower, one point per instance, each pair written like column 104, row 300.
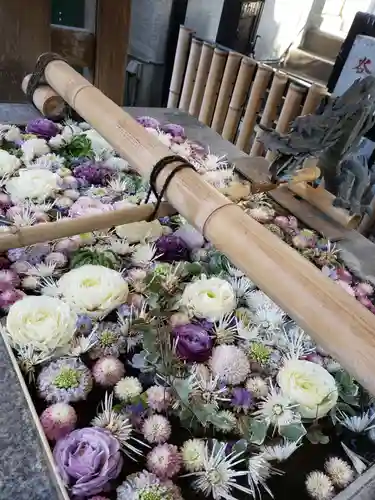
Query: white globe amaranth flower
column 319, row 486
column 140, row 231
column 128, row 388
column 209, row 298
column 229, row 364
column 93, row 290
column 98, row 143
column 8, row 163
column 310, row 386
column 192, row 453
column 45, row 323
column 34, row 147
column 35, row 184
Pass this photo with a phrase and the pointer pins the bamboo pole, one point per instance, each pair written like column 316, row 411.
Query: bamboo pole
column 258, row 90
column 291, row 109
column 226, row 90
column 49, row 231
column 191, row 73
column 313, row 99
column 201, row 80
column 182, row 52
column 338, row 322
column 269, row 114
column 215, row 77
column 243, row 82
column 46, row 100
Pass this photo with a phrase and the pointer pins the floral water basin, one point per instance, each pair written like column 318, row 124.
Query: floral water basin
column 158, row 370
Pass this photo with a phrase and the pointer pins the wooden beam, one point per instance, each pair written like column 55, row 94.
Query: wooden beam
column 76, row 45
column 25, row 34
column 112, row 38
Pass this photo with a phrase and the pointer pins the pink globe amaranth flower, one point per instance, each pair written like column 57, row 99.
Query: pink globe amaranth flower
column 42, row 127
column 158, row 398
column 8, row 279
column 148, row 122
column 344, row 275
column 66, row 246
column 365, row 301
column 10, row 297
column 5, row 201
column 88, row 206
column 192, row 342
column 364, row 289
column 164, row 461
column 58, row 420
column 108, row 371
column 88, row 460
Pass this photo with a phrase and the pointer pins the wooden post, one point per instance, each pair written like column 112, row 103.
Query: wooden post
column 313, row 98
column 25, row 34
column 258, row 90
column 215, row 77
column 226, row 90
column 269, row 114
column 112, row 38
column 237, row 102
column 182, row 52
column 191, row 73
column 201, row 80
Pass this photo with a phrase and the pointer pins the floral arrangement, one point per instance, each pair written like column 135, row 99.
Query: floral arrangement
column 160, row 371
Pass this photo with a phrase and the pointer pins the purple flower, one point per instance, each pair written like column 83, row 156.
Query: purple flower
column 172, row 248
column 84, row 324
column 204, row 323
column 42, row 127
column 88, row 206
column 193, row 343
column 95, row 174
column 174, row 130
column 148, row 122
column 241, row 398
column 87, row 460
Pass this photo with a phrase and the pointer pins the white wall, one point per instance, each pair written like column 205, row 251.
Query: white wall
column 282, row 23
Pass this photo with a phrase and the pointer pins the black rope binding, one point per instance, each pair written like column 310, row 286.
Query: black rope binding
column 156, row 170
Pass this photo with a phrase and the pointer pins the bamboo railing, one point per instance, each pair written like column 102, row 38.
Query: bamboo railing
column 335, row 319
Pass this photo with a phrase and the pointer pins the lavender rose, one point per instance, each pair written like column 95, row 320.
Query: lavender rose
column 174, row 130
column 148, row 122
column 87, row 460
column 193, row 342
column 172, row 248
column 42, row 127
column 94, row 173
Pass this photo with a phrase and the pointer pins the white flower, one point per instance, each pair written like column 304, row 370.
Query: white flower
column 36, row 184
column 358, row 462
column 156, row 429
column 310, row 386
column 319, row 486
column 117, row 164
column 209, row 298
column 214, row 162
column 46, row 323
column 259, row 471
column 257, row 386
column 93, row 290
column 219, row 178
column 183, row 149
column 339, row 471
column 269, row 316
column 34, row 147
column 277, row 409
column 280, row 452
column 229, row 364
column 192, row 453
column 48, row 162
column 166, row 139
column 128, row 388
column 8, row 163
column 143, row 255
column 140, row 231
column 57, row 142
column 98, row 143
column 358, row 424
column 13, row 134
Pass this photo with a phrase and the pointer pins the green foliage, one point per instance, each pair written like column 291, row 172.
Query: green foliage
column 293, row 432
column 85, row 256
column 257, row 431
column 79, row 147
column 348, row 388
column 316, row 436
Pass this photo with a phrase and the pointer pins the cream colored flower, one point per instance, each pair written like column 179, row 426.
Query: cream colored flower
column 8, row 163
column 45, row 323
column 310, row 386
column 98, row 143
column 209, row 298
column 34, row 147
column 35, row 184
column 140, row 231
column 93, row 290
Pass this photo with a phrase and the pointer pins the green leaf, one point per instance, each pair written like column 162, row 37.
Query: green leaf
column 316, row 436
column 257, row 431
column 193, row 269
column 221, row 421
column 293, row 432
column 240, row 446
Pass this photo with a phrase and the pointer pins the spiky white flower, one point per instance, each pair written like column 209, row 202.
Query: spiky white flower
column 48, row 161
column 118, row 185
column 192, row 453
column 81, row 344
column 183, row 149
column 24, row 217
column 280, row 452
column 128, row 388
column 258, row 299
column 219, row 178
column 206, row 387
column 340, row 472
column 28, row 359
column 118, row 164
column 257, row 386
column 358, row 423
column 42, row 270
column 218, row 477
column 277, row 409
column 358, row 462
column 226, row 329
column 269, row 316
column 230, row 364
column 259, row 470
column 144, row 255
column 118, row 425
column 166, row 139
column 242, row 286
column 213, row 162
column 319, row 486
column 234, row 271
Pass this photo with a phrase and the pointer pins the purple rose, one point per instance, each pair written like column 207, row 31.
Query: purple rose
column 172, row 248
column 95, row 174
column 193, row 343
column 174, row 130
column 42, row 127
column 148, row 122
column 87, row 460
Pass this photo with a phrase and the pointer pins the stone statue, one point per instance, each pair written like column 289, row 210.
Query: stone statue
column 333, row 135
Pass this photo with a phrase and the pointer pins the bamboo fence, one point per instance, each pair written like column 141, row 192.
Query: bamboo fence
column 335, row 319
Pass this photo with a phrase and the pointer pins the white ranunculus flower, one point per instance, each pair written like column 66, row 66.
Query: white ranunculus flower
column 45, row 323
column 35, row 184
column 209, row 298
column 34, row 147
column 98, row 143
column 8, row 163
column 93, row 290
column 140, row 231
column 310, row 386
